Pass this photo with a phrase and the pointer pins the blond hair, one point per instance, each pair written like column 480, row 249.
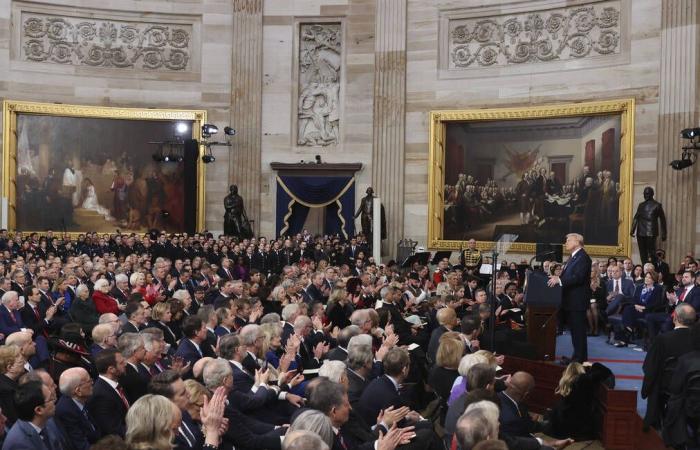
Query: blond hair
column 450, row 350
column 571, row 373
column 8, row 356
column 148, row 423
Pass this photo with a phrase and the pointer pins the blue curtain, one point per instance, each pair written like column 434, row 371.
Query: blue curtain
column 296, row 194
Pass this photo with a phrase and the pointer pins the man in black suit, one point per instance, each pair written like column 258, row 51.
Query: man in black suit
column 340, row 352
column 35, row 315
column 224, row 271
column 657, row 372
column 316, row 291
column 120, row 291
column 514, row 418
column 108, row 403
column 72, row 415
column 170, row 385
column 359, row 371
column 383, row 391
column 194, row 333
column 134, row 379
column 575, row 281
column 135, row 318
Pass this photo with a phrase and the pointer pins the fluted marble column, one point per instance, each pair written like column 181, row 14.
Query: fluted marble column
column 678, row 109
column 246, row 103
column 390, row 115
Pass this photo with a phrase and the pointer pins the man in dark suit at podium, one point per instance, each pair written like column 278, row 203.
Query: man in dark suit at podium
column 575, row 281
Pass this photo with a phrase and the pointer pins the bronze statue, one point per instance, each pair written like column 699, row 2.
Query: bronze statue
column 646, row 222
column 235, row 219
column 366, row 213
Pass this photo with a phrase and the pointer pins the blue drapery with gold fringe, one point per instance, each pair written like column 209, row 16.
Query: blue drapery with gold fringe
column 296, row 194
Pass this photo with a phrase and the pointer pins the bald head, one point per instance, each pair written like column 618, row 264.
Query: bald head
column 72, row 378
column 198, row 367
column 520, row 385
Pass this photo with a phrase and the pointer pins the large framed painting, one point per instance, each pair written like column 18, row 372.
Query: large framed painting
column 537, row 172
column 86, row 168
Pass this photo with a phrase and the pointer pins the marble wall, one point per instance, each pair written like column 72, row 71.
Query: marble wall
column 246, row 61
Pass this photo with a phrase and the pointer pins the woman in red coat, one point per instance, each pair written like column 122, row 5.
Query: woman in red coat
column 104, row 303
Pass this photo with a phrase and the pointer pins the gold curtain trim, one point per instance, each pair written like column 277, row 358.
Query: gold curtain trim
column 340, row 217
column 315, row 205
column 286, row 217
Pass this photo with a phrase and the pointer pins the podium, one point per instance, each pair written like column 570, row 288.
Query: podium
column 542, row 306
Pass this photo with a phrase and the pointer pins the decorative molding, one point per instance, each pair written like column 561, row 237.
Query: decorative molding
column 553, row 35
column 93, row 38
column 318, row 104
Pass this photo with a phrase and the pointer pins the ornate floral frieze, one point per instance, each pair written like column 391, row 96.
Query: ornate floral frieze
column 560, row 34
column 318, row 116
column 102, row 42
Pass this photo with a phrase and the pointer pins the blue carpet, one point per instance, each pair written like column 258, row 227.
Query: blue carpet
column 625, row 363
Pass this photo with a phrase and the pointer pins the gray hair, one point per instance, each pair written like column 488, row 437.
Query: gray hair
column 270, row 318
column 128, row 344
column 359, row 317
column 215, row 372
column 181, row 294
column 82, row 288
column 289, row 311
column 149, row 341
column 8, row 296
column 359, row 356
column 121, row 278
column 228, row 345
column 685, row 314
column 333, row 370
column 249, row 334
column 360, row 339
column 316, row 422
column 301, row 322
column 470, row 360
column 303, row 440
column 478, row 423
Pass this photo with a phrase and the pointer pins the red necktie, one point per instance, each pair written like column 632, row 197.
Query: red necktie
column 120, row 390
column 682, row 296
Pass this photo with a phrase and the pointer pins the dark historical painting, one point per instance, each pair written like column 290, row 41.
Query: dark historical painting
column 85, row 174
column 537, row 178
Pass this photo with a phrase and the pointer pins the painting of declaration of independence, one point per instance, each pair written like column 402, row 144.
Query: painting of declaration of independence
column 93, row 174
column 537, row 178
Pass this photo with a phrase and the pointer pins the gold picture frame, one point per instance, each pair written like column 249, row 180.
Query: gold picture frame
column 441, row 119
column 12, row 109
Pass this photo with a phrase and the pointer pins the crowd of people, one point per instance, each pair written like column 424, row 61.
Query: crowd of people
column 161, row 341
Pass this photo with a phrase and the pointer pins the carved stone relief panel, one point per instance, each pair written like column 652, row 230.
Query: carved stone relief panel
column 318, row 103
column 104, row 39
column 560, row 34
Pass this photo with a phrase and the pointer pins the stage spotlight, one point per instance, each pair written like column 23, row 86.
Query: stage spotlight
column 164, row 214
column 690, row 133
column 687, row 159
column 181, row 128
column 209, row 129
column 166, row 158
column 206, row 159
column 680, row 164
column 229, row 131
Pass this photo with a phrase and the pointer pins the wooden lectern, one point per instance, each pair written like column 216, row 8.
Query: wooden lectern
column 542, row 306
